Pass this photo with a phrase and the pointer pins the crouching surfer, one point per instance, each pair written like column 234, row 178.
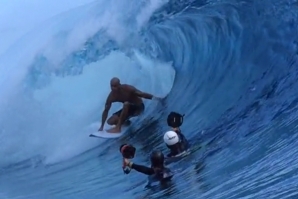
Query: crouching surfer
column 174, row 139
column 157, row 171
column 132, row 101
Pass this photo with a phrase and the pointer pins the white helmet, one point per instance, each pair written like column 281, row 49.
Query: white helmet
column 171, row 138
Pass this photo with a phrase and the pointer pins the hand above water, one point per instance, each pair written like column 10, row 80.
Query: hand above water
column 127, row 162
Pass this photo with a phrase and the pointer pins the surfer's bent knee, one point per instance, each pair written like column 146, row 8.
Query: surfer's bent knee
column 126, row 104
column 112, row 120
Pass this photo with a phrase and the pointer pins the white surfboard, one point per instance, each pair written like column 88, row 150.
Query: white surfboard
column 107, row 135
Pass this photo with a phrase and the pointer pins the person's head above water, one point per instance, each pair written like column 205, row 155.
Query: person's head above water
column 171, row 138
column 157, row 159
column 115, row 83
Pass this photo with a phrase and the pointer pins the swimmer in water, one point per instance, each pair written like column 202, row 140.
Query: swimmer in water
column 157, row 171
column 174, row 139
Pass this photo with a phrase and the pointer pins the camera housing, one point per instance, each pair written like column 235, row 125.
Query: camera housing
column 127, row 151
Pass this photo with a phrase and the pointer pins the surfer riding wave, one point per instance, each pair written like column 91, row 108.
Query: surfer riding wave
column 132, row 101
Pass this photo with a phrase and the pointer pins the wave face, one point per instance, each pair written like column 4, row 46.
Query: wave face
column 229, row 66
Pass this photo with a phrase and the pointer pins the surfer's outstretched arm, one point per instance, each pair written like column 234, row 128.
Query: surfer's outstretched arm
column 105, row 112
column 143, row 94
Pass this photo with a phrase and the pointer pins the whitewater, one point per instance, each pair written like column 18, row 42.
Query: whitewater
column 229, row 66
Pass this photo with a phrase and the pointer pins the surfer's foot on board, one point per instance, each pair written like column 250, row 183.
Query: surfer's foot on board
column 114, row 130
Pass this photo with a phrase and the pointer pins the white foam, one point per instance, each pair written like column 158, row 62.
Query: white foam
column 51, row 122
column 18, row 17
column 146, row 12
column 54, row 118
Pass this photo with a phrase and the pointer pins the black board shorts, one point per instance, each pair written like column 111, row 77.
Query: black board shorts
column 133, row 110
